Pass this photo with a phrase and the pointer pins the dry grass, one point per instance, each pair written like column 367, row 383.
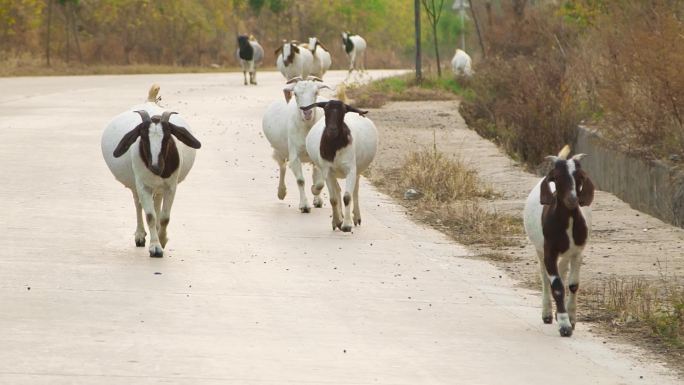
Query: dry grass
column 451, row 200
column 636, row 303
column 403, row 88
column 442, row 178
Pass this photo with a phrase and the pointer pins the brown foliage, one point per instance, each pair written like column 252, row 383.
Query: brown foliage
column 632, row 70
column 522, row 99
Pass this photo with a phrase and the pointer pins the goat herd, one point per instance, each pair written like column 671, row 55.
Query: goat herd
column 150, row 150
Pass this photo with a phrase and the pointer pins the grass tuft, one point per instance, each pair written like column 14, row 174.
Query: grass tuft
column 405, row 88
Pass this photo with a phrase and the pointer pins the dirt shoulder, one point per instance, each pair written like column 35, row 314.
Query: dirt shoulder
column 625, row 243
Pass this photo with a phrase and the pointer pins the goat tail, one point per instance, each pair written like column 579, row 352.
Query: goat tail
column 152, row 95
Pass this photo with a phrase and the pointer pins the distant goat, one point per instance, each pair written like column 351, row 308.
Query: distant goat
column 250, row 54
column 342, row 145
column 294, row 62
column 321, row 56
column 355, row 47
column 558, row 223
column 140, row 150
column 462, row 63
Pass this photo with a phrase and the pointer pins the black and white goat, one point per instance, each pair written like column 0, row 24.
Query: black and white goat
column 321, row 57
column 140, row 149
column 558, row 223
column 355, row 47
column 250, row 54
column 342, row 145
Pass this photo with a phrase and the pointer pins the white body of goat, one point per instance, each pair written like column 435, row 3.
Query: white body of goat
column 321, row 58
column 149, row 190
column 461, row 63
column 286, row 127
column 299, row 64
column 349, row 162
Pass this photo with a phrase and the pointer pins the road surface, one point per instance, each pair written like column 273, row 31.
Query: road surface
column 250, row 291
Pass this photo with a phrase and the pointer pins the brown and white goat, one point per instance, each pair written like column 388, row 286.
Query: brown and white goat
column 141, row 151
column 342, row 145
column 558, row 223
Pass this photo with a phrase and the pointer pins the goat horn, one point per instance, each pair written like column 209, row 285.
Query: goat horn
column 166, row 115
column 294, row 80
column 145, row 117
column 315, row 78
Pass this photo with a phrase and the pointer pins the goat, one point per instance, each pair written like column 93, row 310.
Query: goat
column 294, row 62
column 342, row 146
column 249, row 54
column 557, row 220
column 286, row 126
column 354, row 46
column 462, row 63
column 321, row 57
column 142, row 153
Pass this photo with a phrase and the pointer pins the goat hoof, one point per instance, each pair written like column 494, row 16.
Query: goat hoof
column 318, row 203
column 140, row 242
column 357, row 221
column 565, row 331
column 305, row 209
column 547, row 319
column 156, row 252
column 346, row 228
column 573, row 325
column 282, row 193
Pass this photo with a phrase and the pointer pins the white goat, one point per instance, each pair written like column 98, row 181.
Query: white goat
column 142, row 153
column 321, row 56
column 294, row 62
column 342, row 145
column 558, row 223
column 355, row 47
column 286, row 126
column 250, row 54
column 462, row 63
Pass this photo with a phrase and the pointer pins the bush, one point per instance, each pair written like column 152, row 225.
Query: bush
column 521, row 96
column 632, row 71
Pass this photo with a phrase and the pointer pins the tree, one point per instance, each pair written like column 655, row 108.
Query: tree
column 433, row 8
column 419, row 70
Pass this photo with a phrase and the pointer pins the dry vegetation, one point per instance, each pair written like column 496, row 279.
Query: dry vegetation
column 403, row 88
column 615, row 64
column 451, row 198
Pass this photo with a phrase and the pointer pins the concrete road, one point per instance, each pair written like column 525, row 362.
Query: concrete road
column 251, row 291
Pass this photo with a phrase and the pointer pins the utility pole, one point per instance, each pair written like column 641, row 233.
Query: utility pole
column 461, row 5
column 419, row 69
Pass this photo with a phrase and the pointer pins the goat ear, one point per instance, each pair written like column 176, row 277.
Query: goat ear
column 586, row 196
column 354, row 109
column 310, row 106
column 279, row 50
column 126, row 142
column 295, row 48
column 184, row 136
column 546, row 196
column 287, row 91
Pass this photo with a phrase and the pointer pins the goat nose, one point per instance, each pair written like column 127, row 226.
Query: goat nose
column 572, row 202
column 155, row 169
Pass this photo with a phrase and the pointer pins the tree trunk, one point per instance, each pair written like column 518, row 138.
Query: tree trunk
column 74, row 31
column 477, row 28
column 434, row 37
column 47, row 38
column 67, row 25
column 419, row 67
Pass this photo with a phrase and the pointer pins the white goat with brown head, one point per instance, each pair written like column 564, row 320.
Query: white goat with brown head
column 558, row 223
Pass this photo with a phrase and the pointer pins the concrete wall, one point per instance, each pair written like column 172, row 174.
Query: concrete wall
column 649, row 186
